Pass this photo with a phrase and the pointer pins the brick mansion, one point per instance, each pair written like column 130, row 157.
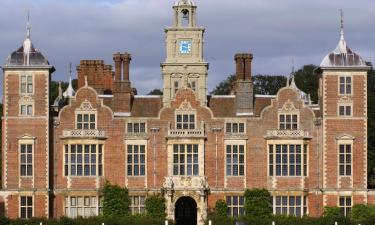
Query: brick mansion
column 192, row 148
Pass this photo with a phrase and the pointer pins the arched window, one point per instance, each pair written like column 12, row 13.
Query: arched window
column 185, row 17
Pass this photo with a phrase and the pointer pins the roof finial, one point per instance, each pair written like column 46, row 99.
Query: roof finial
column 69, row 92
column 28, row 25
column 342, row 24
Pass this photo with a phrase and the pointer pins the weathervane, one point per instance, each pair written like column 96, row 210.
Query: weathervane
column 28, row 25
column 342, row 24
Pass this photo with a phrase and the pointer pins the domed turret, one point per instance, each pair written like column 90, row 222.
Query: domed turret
column 27, row 54
column 343, row 56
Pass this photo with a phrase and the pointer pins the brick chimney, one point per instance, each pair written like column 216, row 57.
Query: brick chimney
column 126, row 58
column 244, row 85
column 243, row 65
column 118, row 60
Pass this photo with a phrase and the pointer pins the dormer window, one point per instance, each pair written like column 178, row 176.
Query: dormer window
column 86, row 117
column 185, row 121
column 86, row 121
column 288, row 121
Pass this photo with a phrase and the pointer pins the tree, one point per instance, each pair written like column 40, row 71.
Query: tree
column 225, row 87
column 308, row 81
column 116, row 200
column 155, row 92
column 361, row 213
column 258, row 203
column 221, row 208
column 268, row 84
column 155, row 206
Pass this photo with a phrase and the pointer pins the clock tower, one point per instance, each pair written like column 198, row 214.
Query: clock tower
column 184, row 66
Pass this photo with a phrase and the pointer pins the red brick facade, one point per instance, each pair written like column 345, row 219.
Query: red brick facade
column 62, row 174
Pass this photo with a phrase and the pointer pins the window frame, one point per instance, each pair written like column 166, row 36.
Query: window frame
column 132, row 127
column 272, row 159
column 32, row 82
column 99, row 160
column 303, row 206
column 345, row 105
column 345, row 209
column 27, row 206
column 177, row 160
column 139, row 164
column 238, row 124
column 67, row 207
column 232, row 163
column 291, row 123
column 345, row 76
column 235, row 207
column 190, row 125
column 26, row 154
column 139, row 208
column 345, row 164
column 89, row 122
column 26, row 105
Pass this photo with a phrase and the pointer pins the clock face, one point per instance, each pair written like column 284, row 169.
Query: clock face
column 185, row 47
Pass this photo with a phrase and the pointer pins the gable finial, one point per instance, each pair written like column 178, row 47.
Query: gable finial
column 342, row 24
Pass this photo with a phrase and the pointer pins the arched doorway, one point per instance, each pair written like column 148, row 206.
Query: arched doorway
column 185, row 212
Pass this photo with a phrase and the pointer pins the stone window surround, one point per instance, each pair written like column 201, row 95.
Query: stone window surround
column 26, row 140
column 137, row 208
column 344, row 142
column 135, row 142
column 84, row 142
column 26, row 104
column 345, row 105
column 186, row 109
column 303, row 206
column 231, row 164
column 235, row 121
column 345, row 207
column 234, row 142
column 185, row 163
column 32, row 84
column 289, row 109
column 238, row 207
column 68, row 206
column 289, row 142
column 199, row 142
column 134, row 121
column 345, row 83
column 27, row 206
column 86, row 108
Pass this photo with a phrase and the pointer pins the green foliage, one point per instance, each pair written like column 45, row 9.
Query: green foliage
column 116, row 200
column 332, row 213
column 125, row 220
column 155, row 206
column 225, row 87
column 268, row 84
column 221, row 208
column 308, row 81
column 258, row 203
column 362, row 213
column 155, row 92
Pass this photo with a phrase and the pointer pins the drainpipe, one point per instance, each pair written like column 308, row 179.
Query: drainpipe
column 154, row 130
column 216, row 130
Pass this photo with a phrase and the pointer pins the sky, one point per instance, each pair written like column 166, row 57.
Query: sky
column 275, row 31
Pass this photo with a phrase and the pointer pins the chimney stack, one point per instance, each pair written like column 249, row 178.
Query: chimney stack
column 244, row 85
column 240, row 67
column 126, row 58
column 118, row 59
column 243, row 66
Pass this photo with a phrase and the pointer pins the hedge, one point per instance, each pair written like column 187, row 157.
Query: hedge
column 126, row 220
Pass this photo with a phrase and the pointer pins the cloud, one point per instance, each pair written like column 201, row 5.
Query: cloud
column 275, row 31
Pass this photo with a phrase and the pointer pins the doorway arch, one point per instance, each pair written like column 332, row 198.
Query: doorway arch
column 185, row 212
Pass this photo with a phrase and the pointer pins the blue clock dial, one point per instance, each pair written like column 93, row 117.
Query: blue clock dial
column 185, row 47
